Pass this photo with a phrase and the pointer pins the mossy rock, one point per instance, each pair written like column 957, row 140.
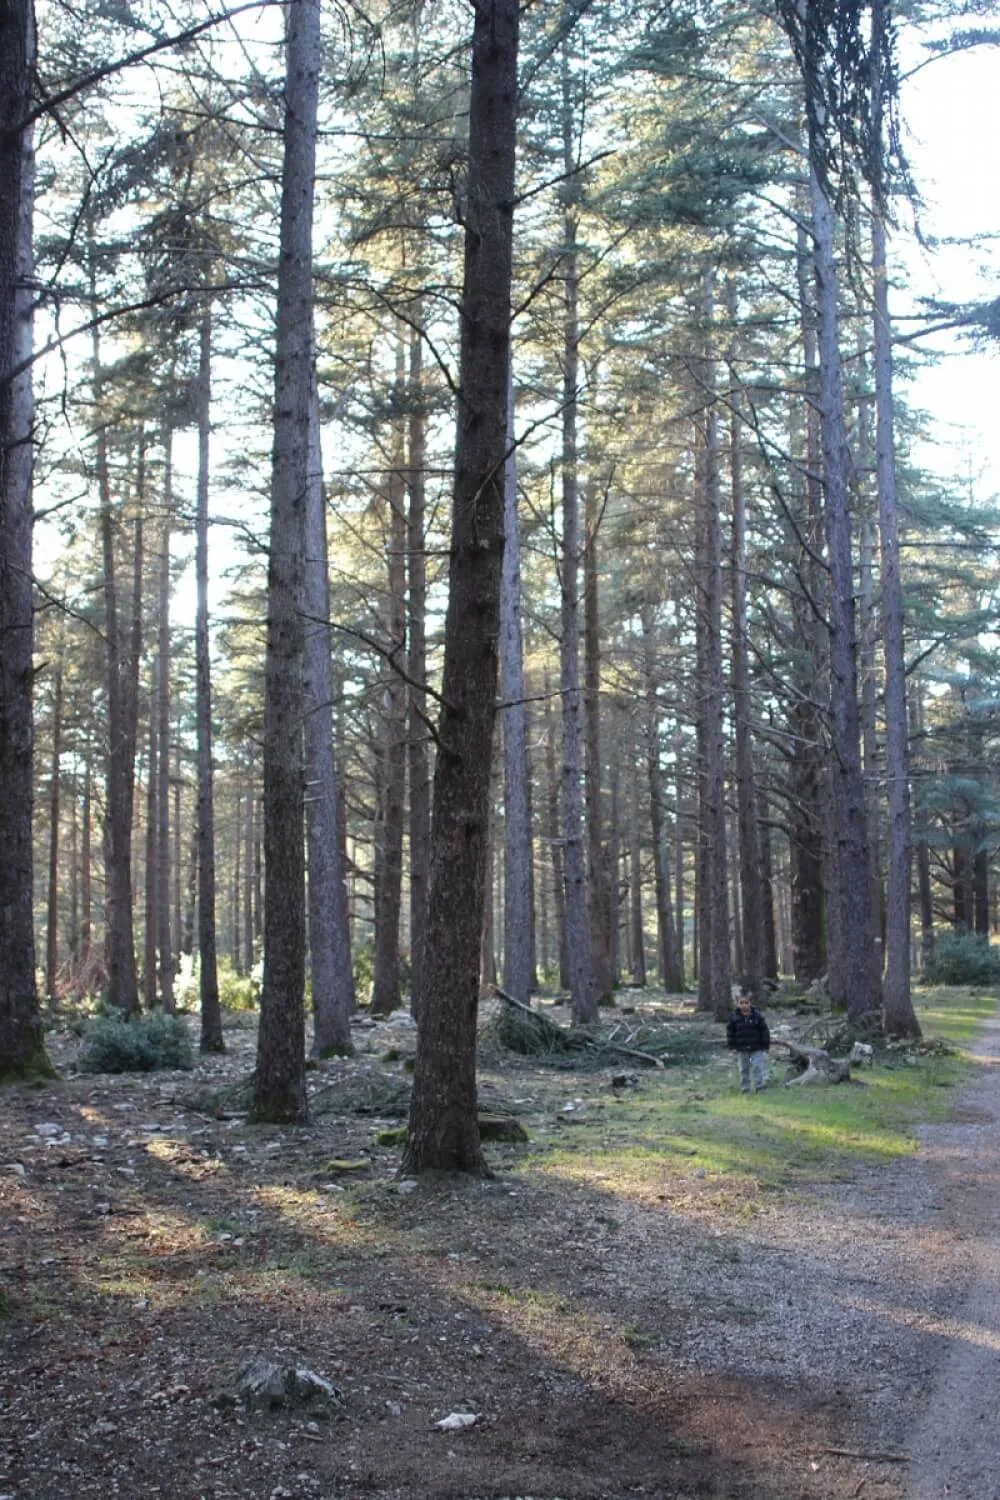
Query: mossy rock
column 502, row 1128
column 341, row 1166
column 393, row 1135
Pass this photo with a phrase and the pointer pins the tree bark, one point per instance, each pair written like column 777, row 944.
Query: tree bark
column 638, row 941
column 443, row 1126
column 898, row 1015
column 714, row 970
column 583, row 991
column 854, row 980
column 55, row 775
column 279, row 1081
column 208, row 980
column 164, row 937
column 22, row 1049
column 555, row 841
column 517, row 913
column 329, row 931
column 386, row 993
column 417, row 750
column 598, row 880
column 120, row 765
column 667, row 964
column 150, row 904
column 752, row 968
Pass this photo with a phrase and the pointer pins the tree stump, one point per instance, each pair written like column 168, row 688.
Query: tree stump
column 816, row 1064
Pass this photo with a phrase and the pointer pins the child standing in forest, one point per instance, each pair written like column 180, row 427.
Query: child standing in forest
column 747, row 1035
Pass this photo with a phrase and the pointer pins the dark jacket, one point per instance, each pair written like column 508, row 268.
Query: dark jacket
column 747, row 1033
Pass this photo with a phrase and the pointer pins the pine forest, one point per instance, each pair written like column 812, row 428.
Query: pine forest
column 462, row 524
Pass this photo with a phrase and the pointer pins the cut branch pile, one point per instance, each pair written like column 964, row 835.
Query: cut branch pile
column 531, row 1034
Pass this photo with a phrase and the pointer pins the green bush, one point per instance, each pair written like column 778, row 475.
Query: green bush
column 364, row 972
column 240, row 991
column 236, row 991
column 963, row 958
column 112, row 1044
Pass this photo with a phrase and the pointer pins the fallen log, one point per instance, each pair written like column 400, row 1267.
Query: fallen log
column 817, row 1065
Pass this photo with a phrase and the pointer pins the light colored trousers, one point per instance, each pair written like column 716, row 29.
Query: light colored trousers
column 751, row 1067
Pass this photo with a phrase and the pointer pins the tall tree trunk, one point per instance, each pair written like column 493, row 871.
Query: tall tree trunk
column 22, row 1049
column 556, row 841
column 583, row 990
column 854, row 980
column 279, row 1081
column 679, row 828
column 752, row 927
column 329, row 932
column 669, row 977
column 766, row 870
column 250, row 908
column 807, row 909
column 55, row 774
column 714, row 970
column 386, row 994
column 208, row 982
column 926, row 903
column 417, row 751
column 443, row 1126
column 120, row 941
column 517, row 913
column 151, row 905
column 598, row 882
column 614, row 859
column 86, row 862
column 163, row 860
column 638, row 940
column 897, row 1005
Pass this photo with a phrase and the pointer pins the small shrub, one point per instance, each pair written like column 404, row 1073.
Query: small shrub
column 364, row 972
column 240, row 991
column 963, row 958
column 111, row 1044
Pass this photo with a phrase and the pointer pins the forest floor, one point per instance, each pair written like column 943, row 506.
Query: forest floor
column 707, row 1302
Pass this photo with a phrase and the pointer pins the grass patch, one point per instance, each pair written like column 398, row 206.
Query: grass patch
column 699, row 1138
column 954, row 1012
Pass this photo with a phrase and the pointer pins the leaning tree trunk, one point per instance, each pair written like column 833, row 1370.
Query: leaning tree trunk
column 208, row 980
column 22, row 1050
column 517, row 914
column 443, row 1126
column 279, row 1081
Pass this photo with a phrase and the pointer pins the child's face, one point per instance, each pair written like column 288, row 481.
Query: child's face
column 743, row 1003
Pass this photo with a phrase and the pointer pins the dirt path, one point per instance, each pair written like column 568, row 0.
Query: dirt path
column 954, row 1447
column 671, row 1334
